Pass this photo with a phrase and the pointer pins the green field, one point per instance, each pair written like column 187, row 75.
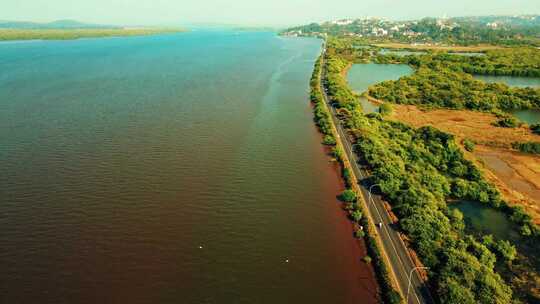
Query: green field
column 68, row 34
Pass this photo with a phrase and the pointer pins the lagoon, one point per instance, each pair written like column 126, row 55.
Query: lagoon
column 513, row 81
column 361, row 76
column 482, row 220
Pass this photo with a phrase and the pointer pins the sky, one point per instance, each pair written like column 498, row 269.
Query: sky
column 251, row 12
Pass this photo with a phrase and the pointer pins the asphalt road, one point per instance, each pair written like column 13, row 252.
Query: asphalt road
column 394, row 247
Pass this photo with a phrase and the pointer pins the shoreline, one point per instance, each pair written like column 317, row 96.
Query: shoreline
column 37, row 35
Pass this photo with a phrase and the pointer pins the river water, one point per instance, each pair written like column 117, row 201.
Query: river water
column 169, row 169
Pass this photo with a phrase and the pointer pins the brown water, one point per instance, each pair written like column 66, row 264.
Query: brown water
column 174, row 169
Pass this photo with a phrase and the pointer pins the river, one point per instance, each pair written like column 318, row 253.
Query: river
column 181, row 168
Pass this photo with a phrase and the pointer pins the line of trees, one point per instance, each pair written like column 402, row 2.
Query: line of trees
column 349, row 197
column 421, row 170
column 436, row 85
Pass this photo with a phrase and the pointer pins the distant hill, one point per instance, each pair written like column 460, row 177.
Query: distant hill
column 58, row 24
column 506, row 30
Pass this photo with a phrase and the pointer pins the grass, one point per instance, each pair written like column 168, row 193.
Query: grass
column 70, row 34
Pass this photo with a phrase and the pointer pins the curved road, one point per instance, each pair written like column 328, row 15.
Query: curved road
column 394, row 247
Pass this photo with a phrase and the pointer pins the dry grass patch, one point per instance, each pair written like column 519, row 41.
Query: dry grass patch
column 516, row 175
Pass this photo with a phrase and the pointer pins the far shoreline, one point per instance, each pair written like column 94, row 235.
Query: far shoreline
column 28, row 35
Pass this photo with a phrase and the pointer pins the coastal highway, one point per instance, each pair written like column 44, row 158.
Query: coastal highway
column 401, row 263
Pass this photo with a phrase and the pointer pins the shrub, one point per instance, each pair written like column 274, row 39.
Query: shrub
column 367, row 259
column 329, row 140
column 506, row 250
column 469, row 145
column 535, row 129
column 507, row 122
column 348, row 196
column 359, row 233
column 356, row 215
column 527, row 147
column 385, row 109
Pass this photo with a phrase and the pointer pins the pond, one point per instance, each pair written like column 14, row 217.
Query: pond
column 482, row 219
column 531, row 116
column 362, row 76
column 513, row 81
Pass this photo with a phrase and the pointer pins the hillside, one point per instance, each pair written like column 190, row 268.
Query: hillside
column 516, row 30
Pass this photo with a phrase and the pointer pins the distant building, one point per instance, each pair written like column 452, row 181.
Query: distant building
column 343, row 22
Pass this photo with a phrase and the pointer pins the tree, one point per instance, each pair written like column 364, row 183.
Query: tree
column 506, row 250
column 348, row 196
column 469, row 145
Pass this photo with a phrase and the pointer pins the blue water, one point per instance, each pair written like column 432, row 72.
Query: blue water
column 180, row 168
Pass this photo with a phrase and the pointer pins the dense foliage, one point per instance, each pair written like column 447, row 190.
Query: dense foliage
column 435, row 85
column 515, row 30
column 421, row 170
column 349, row 196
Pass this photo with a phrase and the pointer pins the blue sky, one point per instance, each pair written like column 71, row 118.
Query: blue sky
column 250, row 12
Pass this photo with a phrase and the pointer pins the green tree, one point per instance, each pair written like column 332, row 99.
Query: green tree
column 348, row 196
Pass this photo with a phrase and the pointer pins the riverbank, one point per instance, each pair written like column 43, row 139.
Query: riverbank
column 72, row 34
column 355, row 207
column 515, row 174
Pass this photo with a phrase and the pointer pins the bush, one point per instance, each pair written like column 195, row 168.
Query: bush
column 527, row 147
column 506, row 250
column 367, row 259
column 356, row 215
column 338, row 153
column 359, row 234
column 535, row 129
column 348, row 196
column 469, row 145
column 347, row 177
column 385, row 109
column 329, row 140
column 507, row 122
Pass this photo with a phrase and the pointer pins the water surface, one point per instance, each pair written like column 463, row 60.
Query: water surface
column 362, row 76
column 482, row 220
column 169, row 169
column 531, row 116
column 513, row 81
